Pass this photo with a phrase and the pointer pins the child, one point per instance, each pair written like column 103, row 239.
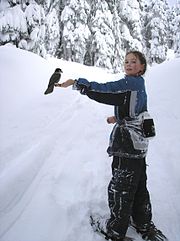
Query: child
column 128, row 196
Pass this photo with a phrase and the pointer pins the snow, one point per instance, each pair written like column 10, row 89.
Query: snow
column 54, row 169
column 13, row 18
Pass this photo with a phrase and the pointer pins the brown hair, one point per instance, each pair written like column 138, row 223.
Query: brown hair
column 141, row 58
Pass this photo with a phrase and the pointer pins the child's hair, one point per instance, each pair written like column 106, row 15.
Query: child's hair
column 141, row 57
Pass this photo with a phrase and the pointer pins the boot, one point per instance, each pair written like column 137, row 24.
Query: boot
column 149, row 232
column 99, row 225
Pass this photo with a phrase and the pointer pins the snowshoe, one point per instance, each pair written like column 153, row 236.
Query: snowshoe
column 99, row 226
column 149, row 232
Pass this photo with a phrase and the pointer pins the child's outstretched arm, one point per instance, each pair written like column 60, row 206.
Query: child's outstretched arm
column 107, row 93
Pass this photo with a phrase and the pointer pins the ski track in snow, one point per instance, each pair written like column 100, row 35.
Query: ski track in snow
column 54, row 167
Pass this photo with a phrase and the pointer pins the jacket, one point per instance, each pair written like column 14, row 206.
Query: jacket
column 129, row 98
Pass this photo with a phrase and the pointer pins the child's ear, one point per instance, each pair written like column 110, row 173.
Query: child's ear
column 141, row 69
column 140, row 73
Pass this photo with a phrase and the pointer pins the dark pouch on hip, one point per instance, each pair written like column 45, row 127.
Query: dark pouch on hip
column 148, row 128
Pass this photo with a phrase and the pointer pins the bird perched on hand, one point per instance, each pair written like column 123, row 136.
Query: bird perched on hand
column 54, row 79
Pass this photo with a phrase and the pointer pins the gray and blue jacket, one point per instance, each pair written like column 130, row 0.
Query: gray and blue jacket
column 129, row 98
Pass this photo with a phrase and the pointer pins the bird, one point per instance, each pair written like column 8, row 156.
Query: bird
column 55, row 78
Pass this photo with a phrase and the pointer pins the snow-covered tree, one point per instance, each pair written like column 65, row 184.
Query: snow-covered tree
column 129, row 12
column 31, row 25
column 75, row 33
column 22, row 23
column 52, row 38
column 13, row 25
column 35, row 18
column 156, row 30
column 176, row 29
column 103, row 42
column 170, row 19
column 126, row 29
column 116, row 28
column 93, row 32
column 119, row 52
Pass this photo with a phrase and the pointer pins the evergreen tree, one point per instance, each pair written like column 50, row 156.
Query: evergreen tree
column 170, row 19
column 116, row 28
column 75, row 33
column 35, row 18
column 31, row 25
column 13, row 25
column 52, row 32
column 92, row 32
column 129, row 12
column 127, row 30
column 103, row 42
column 119, row 52
column 156, row 31
column 176, row 30
column 52, row 25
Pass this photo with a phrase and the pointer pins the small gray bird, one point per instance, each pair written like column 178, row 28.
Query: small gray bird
column 55, row 78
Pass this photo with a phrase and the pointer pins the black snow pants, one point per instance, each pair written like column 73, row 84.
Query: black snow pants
column 128, row 195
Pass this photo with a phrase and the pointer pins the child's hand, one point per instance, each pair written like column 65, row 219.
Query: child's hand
column 111, row 120
column 65, row 84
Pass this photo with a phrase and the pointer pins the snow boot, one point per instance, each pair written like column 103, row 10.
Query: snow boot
column 99, row 225
column 149, row 232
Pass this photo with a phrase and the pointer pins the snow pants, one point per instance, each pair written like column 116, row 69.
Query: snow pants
column 128, row 195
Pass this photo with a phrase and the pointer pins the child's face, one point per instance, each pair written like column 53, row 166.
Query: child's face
column 132, row 65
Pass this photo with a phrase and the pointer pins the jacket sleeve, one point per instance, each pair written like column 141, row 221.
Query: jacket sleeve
column 111, row 93
column 116, row 99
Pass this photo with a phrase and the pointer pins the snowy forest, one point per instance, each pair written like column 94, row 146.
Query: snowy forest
column 92, row 32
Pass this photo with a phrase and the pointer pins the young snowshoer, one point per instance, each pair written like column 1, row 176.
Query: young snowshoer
column 128, row 196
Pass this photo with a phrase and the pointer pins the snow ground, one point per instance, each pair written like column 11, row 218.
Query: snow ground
column 54, row 169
